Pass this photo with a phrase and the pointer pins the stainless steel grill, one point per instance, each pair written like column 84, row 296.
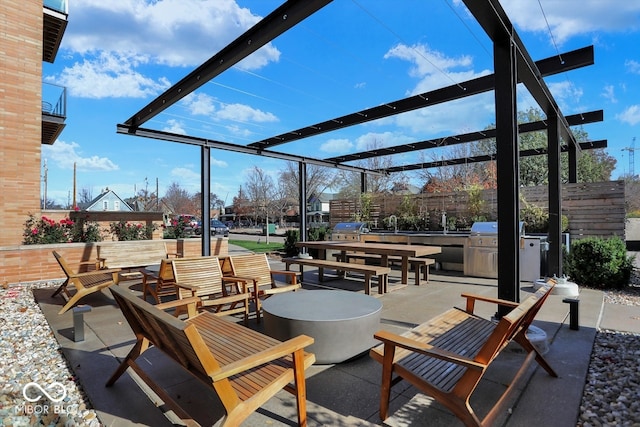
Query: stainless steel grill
column 481, row 250
column 348, row 230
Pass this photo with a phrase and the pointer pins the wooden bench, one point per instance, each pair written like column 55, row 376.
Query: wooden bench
column 419, row 265
column 447, row 356
column 245, row 368
column 367, row 270
column 131, row 256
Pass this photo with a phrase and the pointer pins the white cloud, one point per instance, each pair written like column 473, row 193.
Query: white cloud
column 568, row 18
column 64, row 155
column 336, row 146
column 632, row 66
column 608, row 93
column 381, row 139
column 200, row 104
column 244, row 113
column 175, row 126
column 631, row 115
column 186, row 177
column 428, row 64
column 108, row 76
column 435, row 70
column 171, row 32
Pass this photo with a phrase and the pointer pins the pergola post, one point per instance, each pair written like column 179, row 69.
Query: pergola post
column 302, row 191
column 555, row 196
column 508, row 171
column 205, row 185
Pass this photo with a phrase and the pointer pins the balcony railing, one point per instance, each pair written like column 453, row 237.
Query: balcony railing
column 54, row 111
column 54, row 24
column 54, row 99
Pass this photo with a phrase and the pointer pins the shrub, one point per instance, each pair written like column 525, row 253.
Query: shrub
column 178, row 228
column 127, row 231
column 291, row 237
column 599, row 263
column 47, row 231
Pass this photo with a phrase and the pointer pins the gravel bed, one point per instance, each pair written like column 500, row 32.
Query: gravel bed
column 29, row 353
column 32, row 364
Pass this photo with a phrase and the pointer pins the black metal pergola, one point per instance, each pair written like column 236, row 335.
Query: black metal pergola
column 512, row 66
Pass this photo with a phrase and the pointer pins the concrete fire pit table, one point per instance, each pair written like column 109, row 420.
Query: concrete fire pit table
column 342, row 323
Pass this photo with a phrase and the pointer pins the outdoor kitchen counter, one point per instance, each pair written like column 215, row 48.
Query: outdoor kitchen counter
column 382, row 249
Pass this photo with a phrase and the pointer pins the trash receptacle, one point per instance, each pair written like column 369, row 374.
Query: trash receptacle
column 270, row 227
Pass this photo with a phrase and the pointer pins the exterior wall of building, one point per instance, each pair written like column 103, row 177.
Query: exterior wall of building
column 35, row 263
column 21, row 27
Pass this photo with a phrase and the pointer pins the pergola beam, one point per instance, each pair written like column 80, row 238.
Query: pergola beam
column 539, row 125
column 570, row 60
column 204, row 142
column 288, row 15
column 591, row 145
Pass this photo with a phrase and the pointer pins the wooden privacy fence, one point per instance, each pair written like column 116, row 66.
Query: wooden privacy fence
column 594, row 209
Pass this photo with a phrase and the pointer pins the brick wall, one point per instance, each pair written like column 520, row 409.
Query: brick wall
column 32, row 263
column 20, row 115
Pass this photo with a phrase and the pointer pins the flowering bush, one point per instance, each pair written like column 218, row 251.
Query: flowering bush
column 180, row 228
column 126, row 231
column 46, row 231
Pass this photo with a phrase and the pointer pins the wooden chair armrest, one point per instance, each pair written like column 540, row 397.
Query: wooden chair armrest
column 281, row 289
column 427, row 349
column 179, row 303
column 97, row 272
column 472, row 298
column 285, row 348
column 232, row 279
column 291, row 274
column 174, row 254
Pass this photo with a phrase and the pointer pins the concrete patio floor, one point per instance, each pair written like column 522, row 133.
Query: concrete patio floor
column 347, row 394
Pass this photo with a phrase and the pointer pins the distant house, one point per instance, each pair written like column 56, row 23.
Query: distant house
column 405, row 188
column 107, row 201
column 318, row 210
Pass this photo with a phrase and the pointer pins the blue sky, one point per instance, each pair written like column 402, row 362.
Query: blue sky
column 117, row 56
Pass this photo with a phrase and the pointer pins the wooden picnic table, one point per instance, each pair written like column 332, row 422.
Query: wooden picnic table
column 382, row 249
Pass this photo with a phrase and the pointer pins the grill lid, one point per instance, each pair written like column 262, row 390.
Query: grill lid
column 350, row 228
column 491, row 228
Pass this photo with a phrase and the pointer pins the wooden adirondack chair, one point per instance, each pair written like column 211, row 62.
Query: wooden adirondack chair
column 159, row 284
column 202, row 277
column 243, row 367
column 84, row 283
column 255, row 270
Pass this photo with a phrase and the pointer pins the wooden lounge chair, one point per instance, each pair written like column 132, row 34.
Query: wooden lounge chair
column 255, row 270
column 447, row 356
column 84, row 283
column 202, row 277
column 245, row 368
column 159, row 284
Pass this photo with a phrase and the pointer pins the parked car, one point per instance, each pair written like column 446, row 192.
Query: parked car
column 217, row 227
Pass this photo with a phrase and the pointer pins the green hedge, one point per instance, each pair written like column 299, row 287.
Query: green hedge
column 599, row 263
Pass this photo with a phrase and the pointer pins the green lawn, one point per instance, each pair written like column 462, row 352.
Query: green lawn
column 257, row 247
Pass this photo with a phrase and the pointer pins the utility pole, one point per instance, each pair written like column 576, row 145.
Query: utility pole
column 631, row 150
column 44, row 200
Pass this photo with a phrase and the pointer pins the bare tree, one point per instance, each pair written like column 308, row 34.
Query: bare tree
column 179, row 200
column 319, row 178
column 260, row 191
column 349, row 182
column 85, row 195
